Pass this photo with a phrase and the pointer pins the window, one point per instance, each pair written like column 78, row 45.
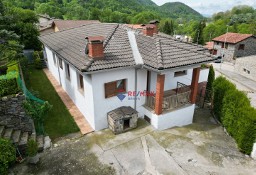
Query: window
column 60, row 63
column 246, row 71
column 226, row 45
column 67, row 71
column 222, row 45
column 217, row 43
column 54, row 58
column 114, row 88
column 241, row 47
column 180, row 73
column 80, row 82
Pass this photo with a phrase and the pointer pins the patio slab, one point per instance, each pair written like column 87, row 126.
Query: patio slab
column 197, row 149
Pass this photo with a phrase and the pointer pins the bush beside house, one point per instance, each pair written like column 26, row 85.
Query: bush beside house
column 233, row 109
column 8, row 82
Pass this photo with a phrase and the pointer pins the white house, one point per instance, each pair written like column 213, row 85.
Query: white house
column 105, row 66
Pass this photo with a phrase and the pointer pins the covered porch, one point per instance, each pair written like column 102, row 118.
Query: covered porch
column 173, row 99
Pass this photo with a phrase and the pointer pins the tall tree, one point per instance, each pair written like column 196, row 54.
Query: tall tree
column 168, row 27
column 198, row 33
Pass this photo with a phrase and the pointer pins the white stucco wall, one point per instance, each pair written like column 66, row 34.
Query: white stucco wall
column 179, row 117
column 171, row 81
column 83, row 100
column 51, row 66
column 253, row 154
column 104, row 105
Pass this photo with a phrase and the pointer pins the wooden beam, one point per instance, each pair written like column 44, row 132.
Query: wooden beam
column 159, row 94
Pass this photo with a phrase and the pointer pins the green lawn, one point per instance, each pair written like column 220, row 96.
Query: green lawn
column 58, row 122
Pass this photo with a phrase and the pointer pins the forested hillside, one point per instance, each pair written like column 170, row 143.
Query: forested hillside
column 240, row 19
column 123, row 11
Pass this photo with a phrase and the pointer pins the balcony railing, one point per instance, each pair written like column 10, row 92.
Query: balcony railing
column 171, row 100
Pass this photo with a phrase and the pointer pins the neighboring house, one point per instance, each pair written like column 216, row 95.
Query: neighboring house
column 59, row 25
column 105, row 66
column 234, row 45
column 246, row 66
column 45, row 24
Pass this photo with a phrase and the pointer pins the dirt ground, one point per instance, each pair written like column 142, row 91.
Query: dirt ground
column 197, row 149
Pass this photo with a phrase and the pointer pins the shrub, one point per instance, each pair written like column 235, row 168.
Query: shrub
column 209, row 86
column 7, row 155
column 37, row 60
column 8, row 87
column 220, row 86
column 235, row 113
column 38, row 63
column 13, row 66
column 32, row 148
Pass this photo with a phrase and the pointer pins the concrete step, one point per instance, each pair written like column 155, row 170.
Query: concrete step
column 24, row 138
column 16, row 136
column 8, row 133
column 1, row 130
column 40, row 142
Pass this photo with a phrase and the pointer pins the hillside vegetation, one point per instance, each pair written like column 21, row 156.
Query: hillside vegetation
column 122, row 11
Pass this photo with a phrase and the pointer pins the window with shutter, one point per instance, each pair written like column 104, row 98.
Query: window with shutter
column 114, row 88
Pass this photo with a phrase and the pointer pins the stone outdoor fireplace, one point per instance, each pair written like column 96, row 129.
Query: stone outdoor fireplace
column 122, row 119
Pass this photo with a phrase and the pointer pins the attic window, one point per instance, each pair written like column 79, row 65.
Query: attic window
column 180, row 73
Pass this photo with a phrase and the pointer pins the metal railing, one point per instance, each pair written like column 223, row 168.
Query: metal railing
column 170, row 102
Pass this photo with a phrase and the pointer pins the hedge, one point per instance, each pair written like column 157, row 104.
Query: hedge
column 8, row 82
column 233, row 109
column 7, row 155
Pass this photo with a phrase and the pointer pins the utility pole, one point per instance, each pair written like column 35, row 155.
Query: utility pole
column 198, row 36
column 223, row 49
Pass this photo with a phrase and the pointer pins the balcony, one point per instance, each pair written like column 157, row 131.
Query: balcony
column 172, row 99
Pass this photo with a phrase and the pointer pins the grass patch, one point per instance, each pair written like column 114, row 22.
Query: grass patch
column 58, row 121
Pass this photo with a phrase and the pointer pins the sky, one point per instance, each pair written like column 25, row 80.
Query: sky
column 209, row 7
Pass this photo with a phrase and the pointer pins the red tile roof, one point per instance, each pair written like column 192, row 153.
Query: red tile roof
column 209, row 45
column 65, row 24
column 232, row 37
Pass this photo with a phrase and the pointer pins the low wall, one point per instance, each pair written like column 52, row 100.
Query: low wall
column 12, row 113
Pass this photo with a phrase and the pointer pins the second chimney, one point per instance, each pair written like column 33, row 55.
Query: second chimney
column 149, row 30
column 95, row 48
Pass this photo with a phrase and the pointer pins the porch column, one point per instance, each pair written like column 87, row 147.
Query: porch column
column 194, row 85
column 159, row 94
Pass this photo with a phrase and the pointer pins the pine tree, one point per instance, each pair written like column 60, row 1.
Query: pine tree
column 168, row 27
column 209, row 86
column 198, row 35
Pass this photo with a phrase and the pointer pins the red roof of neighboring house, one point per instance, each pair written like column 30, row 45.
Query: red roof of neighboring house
column 65, row 24
column 134, row 26
column 209, row 45
column 232, row 37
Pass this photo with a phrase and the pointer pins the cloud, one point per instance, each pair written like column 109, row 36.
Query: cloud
column 209, row 7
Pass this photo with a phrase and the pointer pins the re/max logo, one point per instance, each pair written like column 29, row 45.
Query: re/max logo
column 140, row 93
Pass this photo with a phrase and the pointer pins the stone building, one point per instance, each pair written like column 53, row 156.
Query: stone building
column 234, row 45
column 246, row 66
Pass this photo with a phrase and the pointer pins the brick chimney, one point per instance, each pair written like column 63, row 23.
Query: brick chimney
column 95, row 48
column 155, row 24
column 148, row 30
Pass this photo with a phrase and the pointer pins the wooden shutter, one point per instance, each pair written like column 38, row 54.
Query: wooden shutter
column 110, row 89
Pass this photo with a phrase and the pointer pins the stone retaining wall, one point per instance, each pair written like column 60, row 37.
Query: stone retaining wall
column 12, row 113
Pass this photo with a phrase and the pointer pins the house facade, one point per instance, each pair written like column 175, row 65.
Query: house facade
column 106, row 66
column 246, row 66
column 234, row 45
